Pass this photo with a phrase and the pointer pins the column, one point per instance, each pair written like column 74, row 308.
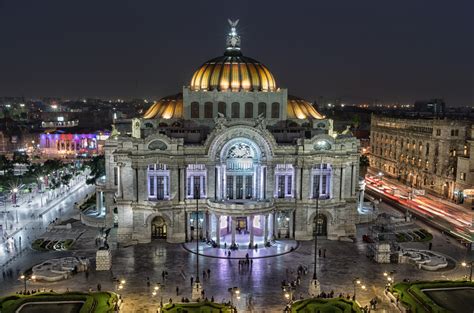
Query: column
column 173, row 192
column 224, row 182
column 265, row 229
column 270, row 181
column 274, row 225
column 142, row 184
column 251, row 229
column 182, row 183
column 306, row 182
column 296, row 182
column 119, row 180
column 291, row 223
column 207, row 234
column 219, row 184
column 335, row 182
column 211, row 181
column 342, row 178
column 254, row 180
column 233, row 225
column 218, row 230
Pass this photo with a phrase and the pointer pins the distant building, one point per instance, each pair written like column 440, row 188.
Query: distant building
column 434, row 107
column 423, row 153
column 464, row 188
column 71, row 145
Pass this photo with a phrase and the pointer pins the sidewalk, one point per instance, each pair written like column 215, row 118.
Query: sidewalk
column 35, row 219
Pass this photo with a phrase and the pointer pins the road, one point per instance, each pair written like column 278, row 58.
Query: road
column 30, row 219
column 449, row 217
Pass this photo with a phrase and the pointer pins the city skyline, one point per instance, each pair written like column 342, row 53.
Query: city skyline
column 362, row 52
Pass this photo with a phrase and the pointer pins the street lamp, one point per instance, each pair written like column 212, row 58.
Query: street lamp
column 314, row 287
column 232, row 291
column 356, row 282
column 468, row 264
column 390, row 277
column 196, row 289
column 288, row 290
column 25, row 278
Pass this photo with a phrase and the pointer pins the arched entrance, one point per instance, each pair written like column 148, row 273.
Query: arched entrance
column 159, row 228
column 320, row 225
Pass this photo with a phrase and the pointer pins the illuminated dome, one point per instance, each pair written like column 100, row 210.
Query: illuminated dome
column 167, row 107
column 233, row 71
column 302, row 109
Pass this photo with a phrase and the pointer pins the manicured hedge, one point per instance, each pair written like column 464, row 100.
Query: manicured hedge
column 98, row 302
column 335, row 305
column 201, row 307
column 412, row 296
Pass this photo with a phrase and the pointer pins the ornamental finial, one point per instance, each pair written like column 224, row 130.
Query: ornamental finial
column 233, row 39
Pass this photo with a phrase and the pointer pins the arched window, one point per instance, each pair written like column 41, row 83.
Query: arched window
column 208, row 108
column 221, row 108
column 235, row 110
column 275, row 110
column 194, row 110
column 262, row 109
column 248, row 110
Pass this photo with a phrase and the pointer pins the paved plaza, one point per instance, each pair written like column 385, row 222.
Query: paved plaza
column 260, row 284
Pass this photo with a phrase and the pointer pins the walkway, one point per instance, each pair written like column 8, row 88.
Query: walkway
column 33, row 218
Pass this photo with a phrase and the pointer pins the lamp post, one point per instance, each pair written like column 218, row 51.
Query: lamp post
column 390, row 277
column 14, row 200
column 468, row 264
column 197, row 288
column 314, row 286
column 232, row 291
column 25, row 278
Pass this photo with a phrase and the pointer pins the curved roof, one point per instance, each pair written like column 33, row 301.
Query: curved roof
column 301, row 109
column 167, row 107
column 233, row 72
column 172, row 107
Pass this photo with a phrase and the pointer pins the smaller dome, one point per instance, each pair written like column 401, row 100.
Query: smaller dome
column 302, row 109
column 166, row 108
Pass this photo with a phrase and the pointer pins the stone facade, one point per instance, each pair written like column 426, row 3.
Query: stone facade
column 423, row 153
column 215, row 163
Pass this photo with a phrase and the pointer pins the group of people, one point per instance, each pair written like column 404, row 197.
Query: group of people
column 32, row 292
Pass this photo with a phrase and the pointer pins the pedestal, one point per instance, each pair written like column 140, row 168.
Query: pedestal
column 103, row 260
column 196, row 291
column 314, row 288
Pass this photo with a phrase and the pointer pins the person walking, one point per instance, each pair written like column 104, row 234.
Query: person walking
column 177, row 290
column 324, row 252
column 192, row 280
column 319, row 252
column 208, row 273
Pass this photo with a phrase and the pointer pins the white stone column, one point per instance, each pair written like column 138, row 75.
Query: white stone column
column 233, row 225
column 218, row 230
column 224, row 182
column 182, row 179
column 265, row 229
column 270, row 181
column 142, row 184
column 306, row 186
column 291, row 223
column 173, row 192
column 211, row 182
column 254, row 181
column 251, row 217
column 344, row 181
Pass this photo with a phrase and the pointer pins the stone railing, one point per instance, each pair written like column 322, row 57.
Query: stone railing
column 241, row 207
column 91, row 220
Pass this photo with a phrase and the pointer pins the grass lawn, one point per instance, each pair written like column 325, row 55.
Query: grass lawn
column 335, row 305
column 412, row 296
column 97, row 302
column 197, row 307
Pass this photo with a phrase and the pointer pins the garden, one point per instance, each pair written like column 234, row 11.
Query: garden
column 98, row 302
column 435, row 296
column 419, row 235
column 334, row 305
column 41, row 244
column 197, row 307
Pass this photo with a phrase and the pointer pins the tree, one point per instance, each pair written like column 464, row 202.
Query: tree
column 6, row 164
column 20, row 158
column 97, row 168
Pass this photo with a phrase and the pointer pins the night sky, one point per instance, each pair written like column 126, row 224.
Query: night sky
column 356, row 50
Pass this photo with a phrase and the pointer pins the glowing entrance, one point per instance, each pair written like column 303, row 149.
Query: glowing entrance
column 320, row 225
column 158, row 228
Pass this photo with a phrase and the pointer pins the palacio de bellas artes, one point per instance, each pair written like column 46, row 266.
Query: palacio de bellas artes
column 233, row 159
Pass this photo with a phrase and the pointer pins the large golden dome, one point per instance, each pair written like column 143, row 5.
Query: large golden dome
column 233, row 72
